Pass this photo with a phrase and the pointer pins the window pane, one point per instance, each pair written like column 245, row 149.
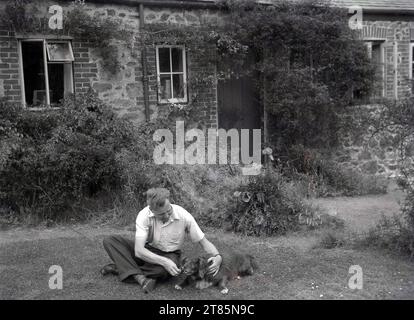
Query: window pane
column 59, row 51
column 33, row 73
column 377, row 59
column 177, row 60
column 178, row 86
column 164, row 59
column 165, row 87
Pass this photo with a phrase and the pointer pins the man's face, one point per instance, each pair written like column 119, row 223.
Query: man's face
column 164, row 213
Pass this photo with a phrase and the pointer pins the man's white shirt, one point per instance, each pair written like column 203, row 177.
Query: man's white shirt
column 168, row 236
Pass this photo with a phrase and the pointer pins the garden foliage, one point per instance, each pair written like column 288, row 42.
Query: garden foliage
column 51, row 160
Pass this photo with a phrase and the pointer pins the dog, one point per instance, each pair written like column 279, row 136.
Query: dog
column 233, row 266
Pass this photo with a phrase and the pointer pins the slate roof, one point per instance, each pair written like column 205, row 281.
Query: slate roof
column 385, row 6
column 380, row 5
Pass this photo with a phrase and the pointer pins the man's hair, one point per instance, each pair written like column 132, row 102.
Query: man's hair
column 156, row 197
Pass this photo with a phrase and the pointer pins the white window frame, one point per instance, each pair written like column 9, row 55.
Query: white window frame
column 46, row 70
column 171, row 73
column 71, row 59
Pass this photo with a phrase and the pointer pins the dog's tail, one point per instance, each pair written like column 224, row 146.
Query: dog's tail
column 253, row 262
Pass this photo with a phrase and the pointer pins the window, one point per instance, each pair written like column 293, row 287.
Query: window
column 171, row 74
column 376, row 52
column 46, row 71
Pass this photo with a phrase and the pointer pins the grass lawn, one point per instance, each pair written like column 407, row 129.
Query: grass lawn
column 290, row 268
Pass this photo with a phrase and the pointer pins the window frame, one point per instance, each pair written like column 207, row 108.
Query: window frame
column 45, row 68
column 382, row 44
column 171, row 73
column 72, row 58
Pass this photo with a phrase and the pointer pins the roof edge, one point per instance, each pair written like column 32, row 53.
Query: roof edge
column 165, row 3
column 211, row 4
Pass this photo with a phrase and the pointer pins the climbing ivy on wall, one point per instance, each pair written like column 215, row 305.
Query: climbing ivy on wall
column 305, row 61
column 25, row 17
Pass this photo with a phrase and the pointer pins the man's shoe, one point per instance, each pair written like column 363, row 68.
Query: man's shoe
column 109, row 269
column 149, row 285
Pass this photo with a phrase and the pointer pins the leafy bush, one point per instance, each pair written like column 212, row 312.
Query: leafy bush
column 395, row 234
column 203, row 190
column 392, row 234
column 268, row 205
column 286, row 47
column 317, row 175
column 56, row 159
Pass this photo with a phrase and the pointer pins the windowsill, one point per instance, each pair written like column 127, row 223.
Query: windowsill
column 172, row 102
column 37, row 109
column 21, row 36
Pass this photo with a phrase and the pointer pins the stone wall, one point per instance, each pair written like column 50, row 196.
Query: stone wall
column 379, row 154
column 373, row 152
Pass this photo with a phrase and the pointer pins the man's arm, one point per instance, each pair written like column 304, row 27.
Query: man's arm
column 209, row 248
column 148, row 256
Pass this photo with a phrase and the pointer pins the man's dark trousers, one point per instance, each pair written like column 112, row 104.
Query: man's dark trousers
column 121, row 251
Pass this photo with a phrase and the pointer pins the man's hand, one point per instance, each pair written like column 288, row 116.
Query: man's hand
column 171, row 267
column 215, row 266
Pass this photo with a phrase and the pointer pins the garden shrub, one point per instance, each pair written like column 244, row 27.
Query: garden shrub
column 55, row 159
column 319, row 175
column 268, row 205
column 392, row 234
column 395, row 234
column 286, row 47
column 201, row 189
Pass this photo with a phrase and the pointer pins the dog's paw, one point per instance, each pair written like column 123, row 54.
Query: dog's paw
column 178, row 287
column 238, row 277
column 224, row 291
column 199, row 285
column 203, row 284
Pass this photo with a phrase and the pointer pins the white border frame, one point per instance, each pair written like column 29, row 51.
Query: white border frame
column 46, row 70
column 410, row 60
column 184, row 73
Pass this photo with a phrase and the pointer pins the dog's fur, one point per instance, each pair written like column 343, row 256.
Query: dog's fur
column 234, row 265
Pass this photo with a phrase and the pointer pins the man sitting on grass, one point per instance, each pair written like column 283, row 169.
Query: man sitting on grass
column 160, row 231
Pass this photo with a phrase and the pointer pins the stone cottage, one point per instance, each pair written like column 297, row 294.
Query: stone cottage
column 387, row 30
column 40, row 68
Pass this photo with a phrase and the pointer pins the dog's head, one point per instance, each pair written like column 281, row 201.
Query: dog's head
column 189, row 266
column 196, row 267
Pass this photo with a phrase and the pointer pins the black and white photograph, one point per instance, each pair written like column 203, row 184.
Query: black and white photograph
column 232, row 151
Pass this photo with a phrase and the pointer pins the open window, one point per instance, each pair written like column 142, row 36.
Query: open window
column 171, row 74
column 47, row 71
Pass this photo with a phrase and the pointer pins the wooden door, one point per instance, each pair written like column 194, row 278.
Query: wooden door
column 239, row 106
